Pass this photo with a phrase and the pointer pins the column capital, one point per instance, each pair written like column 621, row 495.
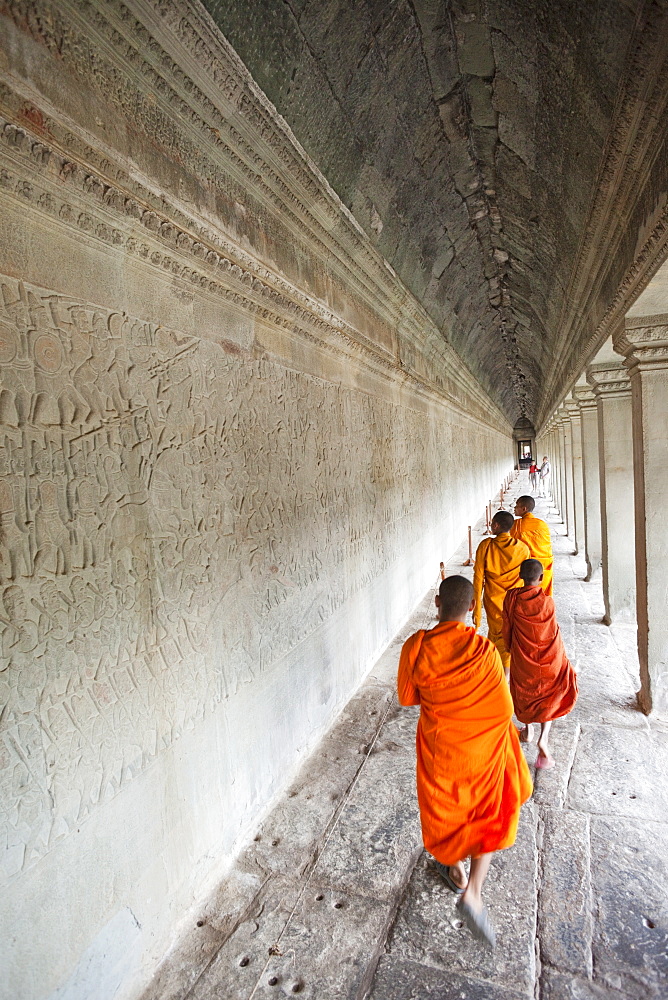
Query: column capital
column 609, row 380
column 585, row 396
column 644, row 342
column 573, row 409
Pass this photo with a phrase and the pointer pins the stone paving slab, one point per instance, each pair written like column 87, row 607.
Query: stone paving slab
column 629, row 873
column 428, row 930
column 620, row 771
column 551, row 786
column 240, row 963
column 377, row 837
column 400, row 980
column 329, row 949
column 562, row 986
column 400, row 726
column 565, row 900
column 202, row 940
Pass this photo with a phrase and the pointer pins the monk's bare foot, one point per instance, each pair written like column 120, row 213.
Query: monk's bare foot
column 472, row 899
column 544, row 762
column 527, row 734
column 458, row 875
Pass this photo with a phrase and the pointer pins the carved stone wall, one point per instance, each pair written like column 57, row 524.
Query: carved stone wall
column 234, row 451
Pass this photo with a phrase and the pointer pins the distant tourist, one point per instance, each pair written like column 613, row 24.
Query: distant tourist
column 543, row 684
column 472, row 777
column 544, row 475
column 533, row 476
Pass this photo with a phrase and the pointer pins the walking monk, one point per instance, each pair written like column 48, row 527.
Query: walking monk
column 535, row 533
column 543, row 684
column 496, row 570
column 472, row 777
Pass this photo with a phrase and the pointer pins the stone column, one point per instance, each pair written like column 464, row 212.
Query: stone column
column 576, row 469
column 612, row 388
column 561, row 495
column 551, row 452
column 591, row 489
column 645, row 343
column 569, row 503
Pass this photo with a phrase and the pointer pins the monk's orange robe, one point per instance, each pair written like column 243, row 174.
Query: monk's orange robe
column 472, row 777
column 495, row 571
column 535, row 533
column 543, row 683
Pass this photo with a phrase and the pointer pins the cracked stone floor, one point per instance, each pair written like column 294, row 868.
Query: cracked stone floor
column 335, row 897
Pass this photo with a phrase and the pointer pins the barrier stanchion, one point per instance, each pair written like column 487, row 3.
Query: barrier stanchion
column 469, row 561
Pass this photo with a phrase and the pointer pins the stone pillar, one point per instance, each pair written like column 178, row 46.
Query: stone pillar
column 645, row 343
column 569, row 503
column 556, row 484
column 550, row 451
column 612, row 388
column 591, row 489
column 561, row 496
column 576, row 469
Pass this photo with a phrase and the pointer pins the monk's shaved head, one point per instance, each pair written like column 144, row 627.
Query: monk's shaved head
column 454, row 596
column 527, row 502
column 531, row 571
column 504, row 520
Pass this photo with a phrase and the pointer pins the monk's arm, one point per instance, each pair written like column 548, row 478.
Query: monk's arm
column 547, row 539
column 506, row 623
column 406, row 688
column 478, row 581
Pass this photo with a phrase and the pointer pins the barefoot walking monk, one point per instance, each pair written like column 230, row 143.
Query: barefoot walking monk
column 543, row 684
column 472, row 777
column 535, row 533
column 496, row 570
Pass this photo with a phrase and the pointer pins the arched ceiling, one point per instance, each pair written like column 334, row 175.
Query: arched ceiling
column 488, row 150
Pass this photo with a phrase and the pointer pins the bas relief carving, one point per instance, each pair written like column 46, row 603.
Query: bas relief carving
column 172, row 521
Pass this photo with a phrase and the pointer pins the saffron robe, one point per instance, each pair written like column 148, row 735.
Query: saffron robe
column 535, row 533
column 495, row 571
column 472, row 777
column 543, row 683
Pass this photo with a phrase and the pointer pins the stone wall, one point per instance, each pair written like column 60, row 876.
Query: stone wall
column 235, row 449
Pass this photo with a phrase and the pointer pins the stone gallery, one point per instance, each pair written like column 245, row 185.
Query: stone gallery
column 294, row 297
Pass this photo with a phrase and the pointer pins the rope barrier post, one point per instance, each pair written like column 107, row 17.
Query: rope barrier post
column 469, row 561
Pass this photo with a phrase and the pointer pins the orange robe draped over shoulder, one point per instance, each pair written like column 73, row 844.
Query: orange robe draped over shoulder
column 495, row 571
column 535, row 533
column 472, row 777
column 543, row 683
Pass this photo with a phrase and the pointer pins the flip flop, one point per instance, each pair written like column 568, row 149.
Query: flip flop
column 444, row 872
column 478, row 923
column 544, row 763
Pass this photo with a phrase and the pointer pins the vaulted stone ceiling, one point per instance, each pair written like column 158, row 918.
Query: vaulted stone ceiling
column 497, row 153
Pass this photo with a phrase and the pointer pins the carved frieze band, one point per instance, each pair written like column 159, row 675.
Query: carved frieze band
column 138, row 585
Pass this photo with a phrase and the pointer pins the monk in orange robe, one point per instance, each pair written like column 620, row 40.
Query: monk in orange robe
column 535, row 533
column 472, row 777
column 496, row 570
column 543, row 684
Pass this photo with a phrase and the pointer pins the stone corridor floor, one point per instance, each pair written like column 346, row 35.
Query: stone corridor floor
column 335, row 897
